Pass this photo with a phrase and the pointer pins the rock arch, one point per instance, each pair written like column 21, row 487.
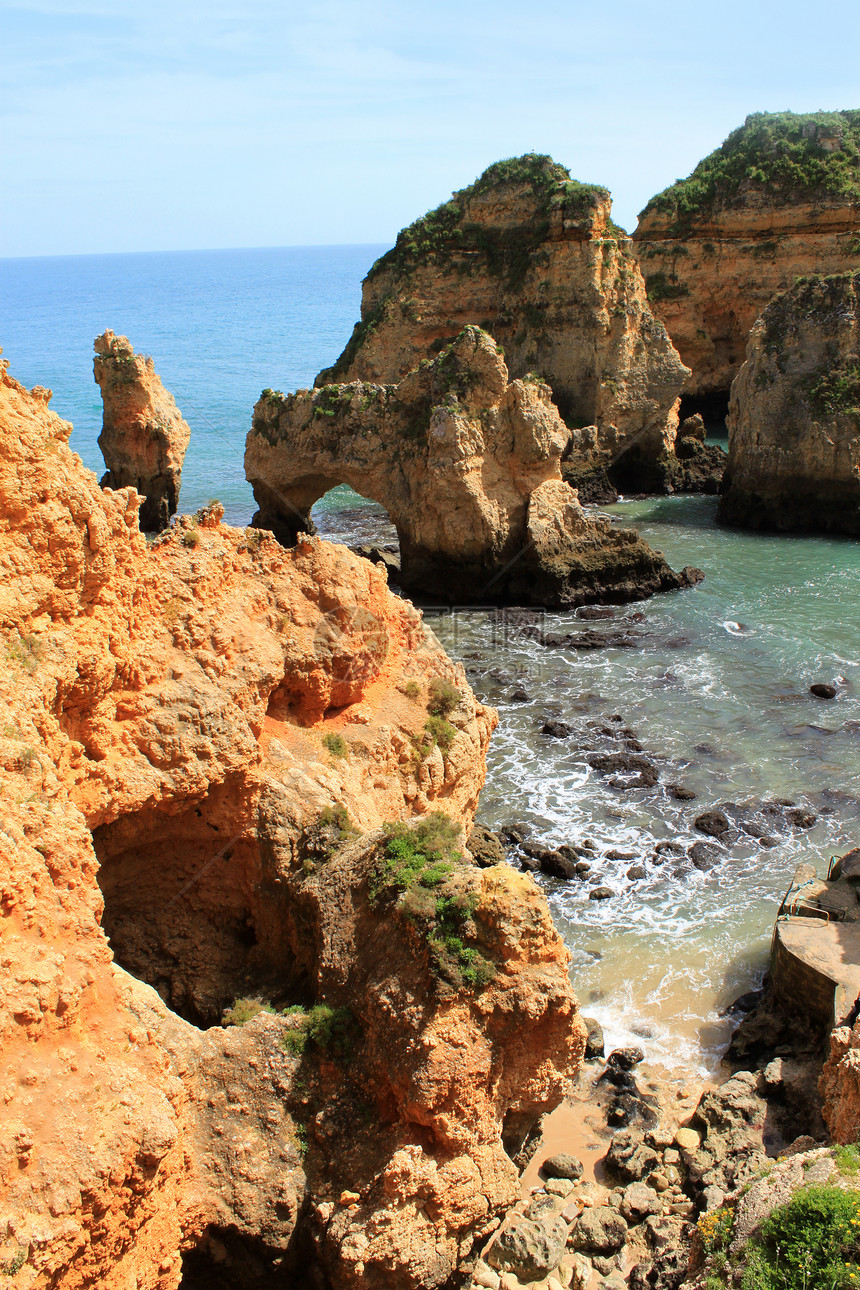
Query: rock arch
column 467, row 465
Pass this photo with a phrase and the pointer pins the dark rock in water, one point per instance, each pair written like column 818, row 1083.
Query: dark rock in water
column 515, row 833
column 557, row 729
column 595, row 611
column 707, row 750
column 714, row 823
column 800, row 818
column 520, row 696
column 669, row 848
column 582, row 867
column 557, row 866
column 745, row 1002
column 680, row 793
column 822, row 690
column 562, row 1165
column 594, row 1043
column 625, row 1058
column 705, row 856
column 644, row 771
column 529, row 864
column 601, row 893
column 485, row 846
column 637, row 871
column 620, row 855
column 590, row 640
column 618, row 1078
column 379, row 555
column 536, row 851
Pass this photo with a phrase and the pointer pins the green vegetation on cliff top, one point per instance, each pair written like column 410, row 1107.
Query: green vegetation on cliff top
column 789, row 156
column 445, row 229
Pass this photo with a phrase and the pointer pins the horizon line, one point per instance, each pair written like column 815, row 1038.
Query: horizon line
column 191, row 250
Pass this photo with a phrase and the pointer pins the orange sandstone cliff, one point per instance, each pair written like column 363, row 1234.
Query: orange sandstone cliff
column 143, row 438
column 199, row 745
column 534, row 258
column 779, row 199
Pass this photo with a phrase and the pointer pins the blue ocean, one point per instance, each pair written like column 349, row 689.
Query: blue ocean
column 717, row 691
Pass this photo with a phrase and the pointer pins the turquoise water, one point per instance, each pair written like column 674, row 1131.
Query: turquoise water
column 717, row 691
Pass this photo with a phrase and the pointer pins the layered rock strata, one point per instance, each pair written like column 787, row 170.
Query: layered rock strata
column 200, row 742
column 143, row 438
column 534, row 258
column 467, row 466
column 779, row 199
column 794, row 414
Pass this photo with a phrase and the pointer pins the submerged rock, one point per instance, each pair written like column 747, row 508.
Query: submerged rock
column 143, row 438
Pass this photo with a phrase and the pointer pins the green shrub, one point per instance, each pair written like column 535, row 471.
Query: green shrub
column 780, row 153
column 337, row 817
column 333, row 1031
column 336, row 744
column 442, row 697
column 26, row 652
column 242, row 1010
column 810, row 1243
column 848, row 1158
column 440, row 731
column 417, row 862
column 837, row 390
column 412, row 690
column 190, row 538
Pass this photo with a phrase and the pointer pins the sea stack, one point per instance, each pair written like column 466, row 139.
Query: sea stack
column 794, row 414
column 534, row 258
column 144, row 437
column 780, row 198
column 468, row 466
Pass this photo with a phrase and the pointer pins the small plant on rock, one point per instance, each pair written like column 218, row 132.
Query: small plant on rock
column 242, row 1010
column 336, row 744
column 442, row 697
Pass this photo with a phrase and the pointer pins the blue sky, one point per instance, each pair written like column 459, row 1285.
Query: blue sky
column 180, row 125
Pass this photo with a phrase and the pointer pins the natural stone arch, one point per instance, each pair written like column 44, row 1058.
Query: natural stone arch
column 467, row 465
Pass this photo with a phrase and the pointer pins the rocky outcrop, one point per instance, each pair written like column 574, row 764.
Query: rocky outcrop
column 839, row 1084
column 534, row 258
column 779, row 199
column 144, row 437
column 201, row 741
column 467, row 466
column 794, row 415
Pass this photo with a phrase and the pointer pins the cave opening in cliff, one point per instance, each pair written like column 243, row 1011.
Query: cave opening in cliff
column 713, row 409
column 187, row 911
column 227, row 1259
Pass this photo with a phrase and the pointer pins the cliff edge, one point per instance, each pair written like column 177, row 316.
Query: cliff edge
column 533, row 257
column 779, row 199
column 203, row 741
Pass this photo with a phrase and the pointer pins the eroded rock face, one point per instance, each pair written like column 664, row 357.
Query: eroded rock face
column 144, row 437
column 794, row 415
column 779, row 199
column 467, row 466
column 534, row 258
column 839, row 1085
column 177, row 720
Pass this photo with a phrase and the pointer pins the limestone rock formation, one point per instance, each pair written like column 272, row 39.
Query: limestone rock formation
column 839, row 1084
column 779, row 199
column 794, row 415
column 467, row 466
column 201, row 740
column 533, row 257
column 144, row 437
